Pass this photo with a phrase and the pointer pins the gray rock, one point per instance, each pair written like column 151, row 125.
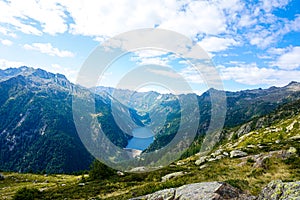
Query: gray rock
column 297, row 137
column 167, row 194
column 244, row 129
column 119, row 173
column 138, row 169
column 198, row 191
column 237, row 153
column 292, row 150
column 211, row 159
column 1, row 177
column 203, row 166
column 217, row 152
column 201, row 160
column 277, row 190
column 81, row 184
column 260, row 162
column 225, row 153
column 172, row 175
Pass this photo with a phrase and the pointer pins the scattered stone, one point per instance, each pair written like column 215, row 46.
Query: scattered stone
column 63, row 184
column 277, row 141
column 138, row 169
column 81, row 184
column 45, row 175
column 297, row 137
column 278, row 190
column 225, row 153
column 237, row 154
column 291, row 126
column 211, row 159
column 251, row 146
column 219, row 157
column 172, row 175
column 119, row 173
column 261, row 146
column 203, row 166
column 261, row 161
column 179, row 163
column 201, row 160
column 292, row 150
column 216, row 153
column 1, row 177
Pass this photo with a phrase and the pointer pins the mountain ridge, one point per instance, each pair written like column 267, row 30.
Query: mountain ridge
column 40, row 101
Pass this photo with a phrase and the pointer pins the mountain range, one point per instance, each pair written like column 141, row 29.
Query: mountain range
column 38, row 133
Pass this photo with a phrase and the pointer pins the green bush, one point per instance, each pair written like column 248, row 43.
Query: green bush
column 100, row 171
column 27, row 194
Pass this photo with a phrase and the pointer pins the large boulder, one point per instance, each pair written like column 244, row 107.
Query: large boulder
column 278, row 190
column 199, row 191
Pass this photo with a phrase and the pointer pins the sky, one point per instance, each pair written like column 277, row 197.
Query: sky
column 252, row 44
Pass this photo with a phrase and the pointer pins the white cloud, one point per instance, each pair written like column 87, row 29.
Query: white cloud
column 25, row 16
column 216, row 44
column 246, row 21
column 47, row 48
column 269, row 5
column 289, row 60
column 251, row 74
column 8, row 63
column 6, row 42
column 152, row 56
column 278, row 51
column 191, row 75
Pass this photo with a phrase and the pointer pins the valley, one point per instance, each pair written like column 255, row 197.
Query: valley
column 40, row 147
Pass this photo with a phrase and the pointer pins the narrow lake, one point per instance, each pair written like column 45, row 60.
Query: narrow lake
column 142, row 138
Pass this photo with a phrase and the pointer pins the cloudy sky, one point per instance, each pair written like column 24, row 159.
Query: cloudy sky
column 252, row 43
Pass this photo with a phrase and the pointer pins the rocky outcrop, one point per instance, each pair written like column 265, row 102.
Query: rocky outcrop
column 277, row 190
column 198, row 191
column 172, row 175
column 237, row 153
column 260, row 159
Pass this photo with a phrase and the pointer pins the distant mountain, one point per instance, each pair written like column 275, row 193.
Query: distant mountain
column 242, row 106
column 37, row 130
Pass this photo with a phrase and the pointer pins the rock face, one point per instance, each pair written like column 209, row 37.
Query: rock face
column 198, row 191
column 277, row 190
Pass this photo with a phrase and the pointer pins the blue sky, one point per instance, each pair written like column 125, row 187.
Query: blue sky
column 252, row 43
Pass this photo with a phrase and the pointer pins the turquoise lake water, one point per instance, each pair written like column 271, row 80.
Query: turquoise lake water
column 142, row 138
